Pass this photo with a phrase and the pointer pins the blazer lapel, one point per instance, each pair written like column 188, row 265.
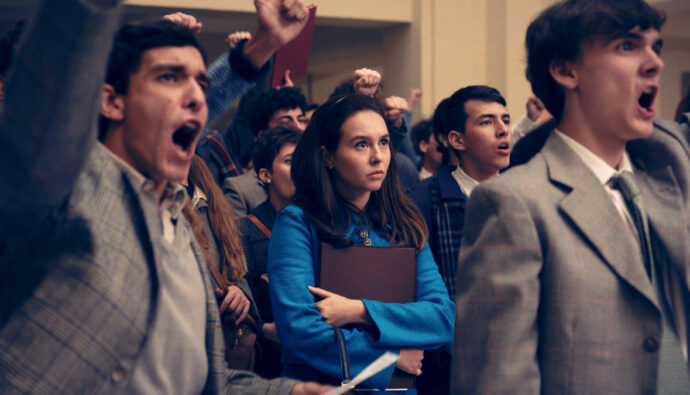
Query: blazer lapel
column 591, row 211
column 153, row 231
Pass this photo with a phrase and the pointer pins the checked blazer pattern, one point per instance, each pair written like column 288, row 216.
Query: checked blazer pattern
column 77, row 245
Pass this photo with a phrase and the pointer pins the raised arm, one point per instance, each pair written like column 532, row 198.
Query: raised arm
column 48, row 117
column 366, row 81
column 47, row 126
column 280, row 21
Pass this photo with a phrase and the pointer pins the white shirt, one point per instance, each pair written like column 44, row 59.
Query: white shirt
column 465, row 182
column 424, row 174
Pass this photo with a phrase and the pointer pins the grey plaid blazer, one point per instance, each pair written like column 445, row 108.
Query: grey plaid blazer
column 79, row 281
column 552, row 296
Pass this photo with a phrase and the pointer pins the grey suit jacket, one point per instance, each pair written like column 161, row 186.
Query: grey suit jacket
column 552, row 295
column 79, row 256
column 244, row 192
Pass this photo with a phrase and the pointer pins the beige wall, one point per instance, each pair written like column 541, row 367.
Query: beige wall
column 345, row 11
column 436, row 45
column 469, row 42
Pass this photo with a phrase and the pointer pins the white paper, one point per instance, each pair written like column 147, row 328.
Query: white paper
column 382, row 362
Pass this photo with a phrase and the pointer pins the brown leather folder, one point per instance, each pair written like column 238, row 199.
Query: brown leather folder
column 385, row 274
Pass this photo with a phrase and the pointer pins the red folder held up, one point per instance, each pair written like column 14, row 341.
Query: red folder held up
column 294, row 56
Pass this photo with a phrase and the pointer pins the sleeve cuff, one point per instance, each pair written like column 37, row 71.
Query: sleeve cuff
column 244, row 67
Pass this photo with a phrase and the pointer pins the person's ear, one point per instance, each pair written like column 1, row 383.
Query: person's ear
column 327, row 157
column 264, row 176
column 456, row 140
column 564, row 73
column 112, row 104
column 423, row 145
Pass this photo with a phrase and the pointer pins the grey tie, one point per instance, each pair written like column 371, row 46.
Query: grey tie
column 673, row 371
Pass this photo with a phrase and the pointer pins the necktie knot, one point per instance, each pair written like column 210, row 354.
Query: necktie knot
column 625, row 182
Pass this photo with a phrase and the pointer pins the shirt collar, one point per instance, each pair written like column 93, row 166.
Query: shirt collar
column 199, row 198
column 602, row 170
column 174, row 196
column 466, row 183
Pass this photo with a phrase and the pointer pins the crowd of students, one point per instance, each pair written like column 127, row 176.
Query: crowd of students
column 142, row 253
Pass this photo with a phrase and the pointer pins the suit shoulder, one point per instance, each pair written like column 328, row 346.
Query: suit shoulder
column 519, row 178
column 99, row 174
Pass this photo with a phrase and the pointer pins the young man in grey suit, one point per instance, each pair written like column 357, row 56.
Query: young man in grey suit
column 104, row 288
column 562, row 285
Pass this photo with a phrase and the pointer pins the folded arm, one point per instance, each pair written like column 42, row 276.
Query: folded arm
column 306, row 337
column 427, row 323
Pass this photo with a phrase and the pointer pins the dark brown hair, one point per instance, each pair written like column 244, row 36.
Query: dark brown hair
column 130, row 44
column 388, row 209
column 559, row 33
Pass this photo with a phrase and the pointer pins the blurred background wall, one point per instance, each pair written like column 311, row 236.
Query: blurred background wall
column 435, row 45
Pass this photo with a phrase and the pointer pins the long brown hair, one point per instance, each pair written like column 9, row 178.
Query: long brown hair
column 222, row 220
column 388, row 209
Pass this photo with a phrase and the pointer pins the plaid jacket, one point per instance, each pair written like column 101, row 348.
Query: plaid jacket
column 442, row 204
column 77, row 242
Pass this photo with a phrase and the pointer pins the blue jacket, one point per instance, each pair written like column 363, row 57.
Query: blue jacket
column 293, row 257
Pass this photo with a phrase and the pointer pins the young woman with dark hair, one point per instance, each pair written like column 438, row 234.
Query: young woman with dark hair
column 348, row 193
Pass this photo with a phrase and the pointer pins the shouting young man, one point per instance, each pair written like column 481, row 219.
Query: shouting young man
column 574, row 270
column 104, row 287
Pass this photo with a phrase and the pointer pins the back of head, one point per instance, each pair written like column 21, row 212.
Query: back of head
column 271, row 101
column 450, row 114
column 267, row 147
column 559, row 33
column 130, row 44
column 421, row 132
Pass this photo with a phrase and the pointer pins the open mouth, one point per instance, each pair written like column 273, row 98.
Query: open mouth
column 505, row 146
column 185, row 135
column 646, row 100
